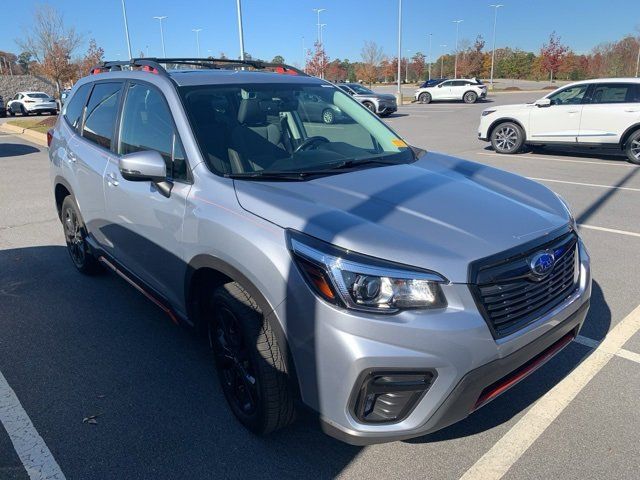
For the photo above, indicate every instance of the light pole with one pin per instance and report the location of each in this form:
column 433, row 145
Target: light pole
column 442, row 61
column 399, row 93
column 638, row 60
column 240, row 34
column 455, row 63
column 406, row 68
column 322, row 25
column 318, row 10
column 126, row 29
column 430, row 59
column 197, row 30
column 304, row 57
column 164, row 54
column 493, row 51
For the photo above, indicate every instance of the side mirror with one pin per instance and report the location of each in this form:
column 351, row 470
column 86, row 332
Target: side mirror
column 543, row 102
column 439, row 85
column 146, row 166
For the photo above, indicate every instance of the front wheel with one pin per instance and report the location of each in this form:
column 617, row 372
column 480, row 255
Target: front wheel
column 24, row 111
column 252, row 367
column 75, row 234
column 507, row 138
column 470, row 97
column 370, row 106
column 424, row 97
column 633, row 148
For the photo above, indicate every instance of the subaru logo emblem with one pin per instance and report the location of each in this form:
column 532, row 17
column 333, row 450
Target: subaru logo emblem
column 542, row 263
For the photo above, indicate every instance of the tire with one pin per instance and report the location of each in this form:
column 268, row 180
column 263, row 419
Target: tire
column 507, row 138
column 252, row 369
column 370, row 106
column 470, row 97
column 328, row 116
column 632, row 148
column 75, row 234
column 11, row 112
column 24, row 111
column 424, row 97
column 39, row 113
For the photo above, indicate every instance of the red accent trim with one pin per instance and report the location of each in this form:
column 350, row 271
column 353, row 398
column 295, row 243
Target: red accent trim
column 285, row 71
column 97, row 70
column 150, row 69
column 505, row 383
column 49, row 137
column 140, row 289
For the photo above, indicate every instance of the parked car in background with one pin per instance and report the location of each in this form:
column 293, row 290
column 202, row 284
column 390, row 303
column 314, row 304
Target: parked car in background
column 392, row 290
column 314, row 109
column 64, row 94
column 467, row 90
column 382, row 104
column 32, row 102
column 433, row 82
column 3, row 111
column 592, row 113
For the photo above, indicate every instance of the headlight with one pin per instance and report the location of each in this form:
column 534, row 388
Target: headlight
column 572, row 220
column 487, row 112
column 364, row 283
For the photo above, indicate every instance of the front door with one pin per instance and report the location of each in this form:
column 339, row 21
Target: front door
column 145, row 226
column 560, row 121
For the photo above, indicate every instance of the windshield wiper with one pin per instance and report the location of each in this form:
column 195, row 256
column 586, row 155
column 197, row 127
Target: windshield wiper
column 363, row 161
column 268, row 175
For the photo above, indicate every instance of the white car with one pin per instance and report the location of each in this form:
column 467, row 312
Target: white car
column 592, row 113
column 467, row 90
column 32, row 102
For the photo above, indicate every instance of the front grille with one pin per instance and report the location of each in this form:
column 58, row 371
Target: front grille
column 510, row 296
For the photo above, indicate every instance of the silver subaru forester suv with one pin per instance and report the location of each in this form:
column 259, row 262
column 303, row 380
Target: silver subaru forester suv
column 392, row 290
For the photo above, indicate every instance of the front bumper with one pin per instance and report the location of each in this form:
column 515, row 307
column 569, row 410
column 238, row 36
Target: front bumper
column 455, row 343
column 385, row 109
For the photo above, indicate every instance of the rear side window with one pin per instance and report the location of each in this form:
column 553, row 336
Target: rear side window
column 73, row 108
column 101, row 113
column 147, row 124
column 613, row 93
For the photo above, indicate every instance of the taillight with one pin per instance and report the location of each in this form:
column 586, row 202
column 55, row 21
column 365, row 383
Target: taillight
column 49, row 137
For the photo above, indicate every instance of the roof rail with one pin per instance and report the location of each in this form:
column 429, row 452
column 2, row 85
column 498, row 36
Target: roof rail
column 154, row 65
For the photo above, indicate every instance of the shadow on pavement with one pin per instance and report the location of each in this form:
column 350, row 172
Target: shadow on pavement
column 16, row 149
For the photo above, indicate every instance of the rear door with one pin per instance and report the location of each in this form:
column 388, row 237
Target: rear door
column 145, row 226
column 611, row 108
column 560, row 121
column 91, row 152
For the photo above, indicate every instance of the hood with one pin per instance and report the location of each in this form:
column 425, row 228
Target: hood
column 439, row 213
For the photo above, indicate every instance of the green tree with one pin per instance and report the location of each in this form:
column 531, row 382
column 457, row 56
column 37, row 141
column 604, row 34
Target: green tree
column 278, row 59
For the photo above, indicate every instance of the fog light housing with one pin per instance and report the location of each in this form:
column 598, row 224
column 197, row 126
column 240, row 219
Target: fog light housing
column 389, row 397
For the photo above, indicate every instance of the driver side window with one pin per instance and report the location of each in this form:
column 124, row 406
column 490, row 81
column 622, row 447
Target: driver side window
column 569, row 96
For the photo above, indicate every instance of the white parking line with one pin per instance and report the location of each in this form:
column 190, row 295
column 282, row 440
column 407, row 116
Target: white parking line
column 609, row 230
column 28, row 444
column 594, row 185
column 506, row 451
column 629, row 355
column 556, row 159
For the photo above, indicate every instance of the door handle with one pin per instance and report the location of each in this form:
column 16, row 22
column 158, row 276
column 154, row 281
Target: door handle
column 112, row 180
column 632, row 110
column 573, row 111
column 72, row 157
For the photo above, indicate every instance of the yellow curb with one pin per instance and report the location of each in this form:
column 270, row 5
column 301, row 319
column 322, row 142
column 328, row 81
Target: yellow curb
column 31, row 135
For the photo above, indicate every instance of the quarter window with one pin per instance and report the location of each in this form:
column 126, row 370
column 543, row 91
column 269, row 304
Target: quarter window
column 613, row 93
column 147, row 124
column 101, row 113
column 73, row 108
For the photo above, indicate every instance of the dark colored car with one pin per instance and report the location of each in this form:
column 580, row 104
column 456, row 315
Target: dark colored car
column 433, row 82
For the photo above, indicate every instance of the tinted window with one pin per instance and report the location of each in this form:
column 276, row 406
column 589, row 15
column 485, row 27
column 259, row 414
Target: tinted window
column 613, row 93
column 38, row 95
column 147, row 124
column 73, row 108
column 569, row 96
column 100, row 116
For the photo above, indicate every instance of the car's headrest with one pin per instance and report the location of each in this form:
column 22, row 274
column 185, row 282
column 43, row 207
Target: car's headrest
column 250, row 112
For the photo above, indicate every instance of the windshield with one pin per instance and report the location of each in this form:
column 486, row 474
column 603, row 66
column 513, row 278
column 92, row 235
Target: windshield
column 264, row 129
column 360, row 89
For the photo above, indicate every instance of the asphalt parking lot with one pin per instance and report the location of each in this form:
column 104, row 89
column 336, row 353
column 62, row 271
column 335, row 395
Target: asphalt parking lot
column 72, row 348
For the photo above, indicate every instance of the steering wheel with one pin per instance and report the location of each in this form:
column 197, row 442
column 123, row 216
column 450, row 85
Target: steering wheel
column 309, row 142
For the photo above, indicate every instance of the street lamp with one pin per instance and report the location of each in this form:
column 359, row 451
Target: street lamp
column 406, row 68
column 126, row 29
column 164, row 54
column 322, row 25
column 493, row 51
column 197, row 30
column 240, row 34
column 318, row 10
column 455, row 63
column 399, row 93
column 430, row 59
column 442, row 61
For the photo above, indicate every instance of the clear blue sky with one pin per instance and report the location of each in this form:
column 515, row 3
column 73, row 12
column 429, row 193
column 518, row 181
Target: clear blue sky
column 277, row 26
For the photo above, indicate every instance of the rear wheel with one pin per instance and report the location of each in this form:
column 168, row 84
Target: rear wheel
column 424, row 97
column 11, row 112
column 328, row 116
column 75, row 234
column 470, row 97
column 252, row 368
column 633, row 148
column 507, row 137
column 24, row 111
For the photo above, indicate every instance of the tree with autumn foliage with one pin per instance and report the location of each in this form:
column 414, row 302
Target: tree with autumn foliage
column 417, row 66
column 317, row 63
column 371, row 55
column 93, row 57
column 552, row 54
column 335, row 72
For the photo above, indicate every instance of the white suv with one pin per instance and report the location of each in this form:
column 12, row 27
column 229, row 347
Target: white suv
column 467, row 90
column 32, row 102
column 592, row 113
